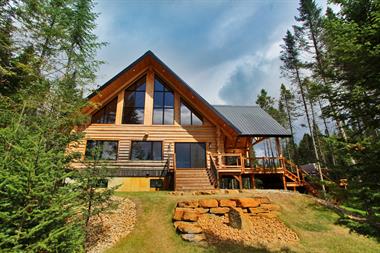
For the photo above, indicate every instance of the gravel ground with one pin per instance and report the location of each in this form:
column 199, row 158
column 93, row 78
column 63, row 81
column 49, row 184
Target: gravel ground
column 268, row 232
column 107, row 229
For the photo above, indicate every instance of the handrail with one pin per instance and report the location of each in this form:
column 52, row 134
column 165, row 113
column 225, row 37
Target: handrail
column 213, row 172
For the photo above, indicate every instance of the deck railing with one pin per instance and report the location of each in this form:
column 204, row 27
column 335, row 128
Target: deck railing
column 212, row 171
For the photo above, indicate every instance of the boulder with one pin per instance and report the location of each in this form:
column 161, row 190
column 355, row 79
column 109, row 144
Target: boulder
column 190, row 216
column 227, row 203
column 257, row 210
column 208, row 203
column 239, row 220
column 201, row 210
column 193, row 237
column 176, row 223
column 219, row 210
column 248, row 202
column 178, row 214
column 188, row 203
column 263, row 200
column 189, row 228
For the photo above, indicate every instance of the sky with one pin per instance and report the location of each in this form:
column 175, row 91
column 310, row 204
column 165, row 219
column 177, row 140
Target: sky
column 226, row 50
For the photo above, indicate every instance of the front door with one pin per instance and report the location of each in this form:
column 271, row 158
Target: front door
column 190, row 155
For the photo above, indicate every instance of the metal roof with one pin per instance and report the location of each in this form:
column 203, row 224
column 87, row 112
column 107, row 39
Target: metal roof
column 251, row 120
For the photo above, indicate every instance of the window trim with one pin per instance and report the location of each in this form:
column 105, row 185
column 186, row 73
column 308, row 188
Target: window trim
column 117, row 149
column 162, row 150
column 192, row 111
column 169, row 90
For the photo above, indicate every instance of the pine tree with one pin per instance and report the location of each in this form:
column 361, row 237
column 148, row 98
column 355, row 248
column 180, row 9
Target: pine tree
column 292, row 69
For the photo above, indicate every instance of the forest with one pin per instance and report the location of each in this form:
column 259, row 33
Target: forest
column 331, row 62
column 48, row 58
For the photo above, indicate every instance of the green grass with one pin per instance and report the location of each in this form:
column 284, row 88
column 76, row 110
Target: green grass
column 314, row 225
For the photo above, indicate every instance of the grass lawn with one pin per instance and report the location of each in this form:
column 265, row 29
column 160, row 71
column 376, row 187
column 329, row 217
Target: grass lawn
column 154, row 231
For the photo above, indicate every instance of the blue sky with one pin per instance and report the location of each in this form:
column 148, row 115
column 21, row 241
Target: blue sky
column 226, row 50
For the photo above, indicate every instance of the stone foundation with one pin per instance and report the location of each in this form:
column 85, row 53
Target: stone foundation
column 235, row 212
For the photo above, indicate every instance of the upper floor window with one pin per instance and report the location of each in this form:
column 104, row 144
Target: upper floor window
column 107, row 114
column 134, row 102
column 189, row 117
column 163, row 107
column 101, row 150
column 146, row 150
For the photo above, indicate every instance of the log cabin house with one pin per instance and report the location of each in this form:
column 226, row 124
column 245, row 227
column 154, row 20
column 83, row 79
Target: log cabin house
column 155, row 132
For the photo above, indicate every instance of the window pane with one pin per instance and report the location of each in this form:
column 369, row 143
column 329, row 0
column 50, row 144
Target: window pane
column 129, row 98
column 158, row 85
column 182, row 151
column 169, row 100
column 196, row 121
column 133, row 116
column 198, row 155
column 90, row 149
column 146, row 150
column 158, row 99
column 109, row 150
column 158, row 116
column 157, row 150
column 169, row 117
column 185, row 115
column 140, row 99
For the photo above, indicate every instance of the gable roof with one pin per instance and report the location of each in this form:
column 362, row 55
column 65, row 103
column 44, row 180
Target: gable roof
column 252, row 120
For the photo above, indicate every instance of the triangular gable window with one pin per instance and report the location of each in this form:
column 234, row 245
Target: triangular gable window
column 189, row 116
column 107, row 114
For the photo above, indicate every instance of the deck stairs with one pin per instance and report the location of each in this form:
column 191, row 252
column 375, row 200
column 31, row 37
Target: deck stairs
column 192, row 179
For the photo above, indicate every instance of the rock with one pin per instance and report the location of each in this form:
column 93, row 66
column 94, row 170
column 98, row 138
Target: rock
column 208, row 203
column 232, row 191
column 189, row 228
column 239, row 220
column 190, row 216
column 193, row 237
column 176, row 193
column 188, row 203
column 205, row 193
column 227, row 203
column 219, row 210
column 178, row 214
column 270, row 207
column 176, row 223
column 248, row 202
column 185, row 209
column 201, row 210
column 257, row 210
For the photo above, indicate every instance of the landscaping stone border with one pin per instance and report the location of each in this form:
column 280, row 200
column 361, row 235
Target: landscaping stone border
column 234, row 210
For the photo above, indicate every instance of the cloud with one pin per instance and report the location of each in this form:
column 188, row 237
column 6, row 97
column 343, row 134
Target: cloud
column 258, row 71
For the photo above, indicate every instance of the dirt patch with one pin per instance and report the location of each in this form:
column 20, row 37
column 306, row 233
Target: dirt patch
column 107, row 229
column 268, row 232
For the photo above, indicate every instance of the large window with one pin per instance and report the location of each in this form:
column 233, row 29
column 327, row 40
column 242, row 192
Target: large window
column 146, row 150
column 107, row 114
column 163, row 108
column 189, row 117
column 102, row 150
column 134, row 102
column 190, row 155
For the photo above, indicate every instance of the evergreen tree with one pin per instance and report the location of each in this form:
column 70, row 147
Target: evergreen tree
column 42, row 75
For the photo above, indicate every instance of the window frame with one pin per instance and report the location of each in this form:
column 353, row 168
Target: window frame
column 114, row 100
column 135, row 141
column 192, row 111
column 140, row 81
column 101, row 159
column 164, row 106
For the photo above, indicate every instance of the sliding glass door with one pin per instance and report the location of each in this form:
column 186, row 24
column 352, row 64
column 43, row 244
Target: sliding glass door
column 190, row 155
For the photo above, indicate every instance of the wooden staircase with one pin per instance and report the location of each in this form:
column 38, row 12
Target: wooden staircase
column 192, row 179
